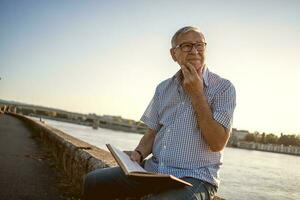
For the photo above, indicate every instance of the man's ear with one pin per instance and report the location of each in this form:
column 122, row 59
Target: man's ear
column 172, row 52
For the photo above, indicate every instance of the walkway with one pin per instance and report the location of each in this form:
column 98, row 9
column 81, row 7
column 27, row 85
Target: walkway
column 25, row 173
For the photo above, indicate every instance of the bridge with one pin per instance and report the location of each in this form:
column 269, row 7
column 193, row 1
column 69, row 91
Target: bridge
column 105, row 121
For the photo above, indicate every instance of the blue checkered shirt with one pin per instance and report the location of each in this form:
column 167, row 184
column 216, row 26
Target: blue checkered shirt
column 179, row 148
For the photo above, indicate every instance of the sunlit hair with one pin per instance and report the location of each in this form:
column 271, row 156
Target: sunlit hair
column 184, row 30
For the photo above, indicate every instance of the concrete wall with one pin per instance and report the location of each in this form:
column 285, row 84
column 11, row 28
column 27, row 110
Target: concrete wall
column 75, row 157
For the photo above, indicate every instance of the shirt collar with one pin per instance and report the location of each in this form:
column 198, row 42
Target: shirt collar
column 178, row 76
column 205, row 76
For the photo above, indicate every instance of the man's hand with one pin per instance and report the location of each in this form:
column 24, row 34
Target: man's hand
column 214, row 134
column 193, row 80
column 134, row 156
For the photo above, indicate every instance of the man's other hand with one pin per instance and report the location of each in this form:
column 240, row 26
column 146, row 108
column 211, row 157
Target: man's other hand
column 134, row 156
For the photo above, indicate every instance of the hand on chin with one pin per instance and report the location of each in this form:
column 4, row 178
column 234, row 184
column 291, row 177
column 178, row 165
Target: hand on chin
column 197, row 64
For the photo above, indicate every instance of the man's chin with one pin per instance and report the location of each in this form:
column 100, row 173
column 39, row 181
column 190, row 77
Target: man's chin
column 197, row 64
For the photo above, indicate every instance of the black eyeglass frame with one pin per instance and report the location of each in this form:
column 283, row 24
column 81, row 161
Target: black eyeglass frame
column 193, row 45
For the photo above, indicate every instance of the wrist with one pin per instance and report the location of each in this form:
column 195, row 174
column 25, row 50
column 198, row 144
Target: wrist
column 197, row 96
column 140, row 153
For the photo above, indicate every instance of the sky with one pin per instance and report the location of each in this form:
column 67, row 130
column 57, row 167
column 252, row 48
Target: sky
column 107, row 57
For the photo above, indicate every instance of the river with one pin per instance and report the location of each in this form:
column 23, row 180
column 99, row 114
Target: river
column 245, row 174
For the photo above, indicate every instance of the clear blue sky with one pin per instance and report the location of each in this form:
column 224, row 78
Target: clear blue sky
column 107, row 57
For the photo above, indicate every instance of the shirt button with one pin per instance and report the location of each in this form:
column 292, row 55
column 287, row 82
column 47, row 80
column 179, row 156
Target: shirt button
column 165, row 146
column 161, row 164
column 182, row 103
column 168, row 130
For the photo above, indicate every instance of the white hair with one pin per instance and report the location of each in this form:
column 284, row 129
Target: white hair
column 184, row 30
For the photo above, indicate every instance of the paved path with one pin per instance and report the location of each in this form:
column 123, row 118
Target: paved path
column 24, row 175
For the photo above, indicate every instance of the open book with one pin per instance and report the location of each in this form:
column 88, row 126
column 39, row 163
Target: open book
column 133, row 169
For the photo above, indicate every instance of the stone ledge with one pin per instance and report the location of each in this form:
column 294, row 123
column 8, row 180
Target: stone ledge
column 76, row 157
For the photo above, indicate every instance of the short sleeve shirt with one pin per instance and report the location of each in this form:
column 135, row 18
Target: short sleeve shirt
column 179, row 148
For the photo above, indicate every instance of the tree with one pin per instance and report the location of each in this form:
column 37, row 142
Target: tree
column 250, row 137
column 263, row 138
column 271, row 139
column 288, row 140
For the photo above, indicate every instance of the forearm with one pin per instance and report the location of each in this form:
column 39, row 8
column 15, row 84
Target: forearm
column 146, row 143
column 215, row 134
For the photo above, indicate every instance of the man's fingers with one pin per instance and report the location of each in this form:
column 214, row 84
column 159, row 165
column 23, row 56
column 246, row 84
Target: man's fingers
column 191, row 68
column 185, row 71
column 135, row 156
column 128, row 153
column 132, row 155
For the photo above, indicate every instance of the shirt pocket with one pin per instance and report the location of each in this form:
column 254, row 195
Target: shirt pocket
column 168, row 110
column 168, row 117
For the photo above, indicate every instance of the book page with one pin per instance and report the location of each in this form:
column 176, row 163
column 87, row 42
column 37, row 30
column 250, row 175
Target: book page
column 130, row 165
column 135, row 170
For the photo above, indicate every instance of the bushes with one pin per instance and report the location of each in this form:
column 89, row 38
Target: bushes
column 286, row 140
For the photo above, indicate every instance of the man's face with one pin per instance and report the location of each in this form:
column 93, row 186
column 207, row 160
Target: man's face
column 195, row 57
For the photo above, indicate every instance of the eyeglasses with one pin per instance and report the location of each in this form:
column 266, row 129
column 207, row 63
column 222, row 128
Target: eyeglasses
column 187, row 47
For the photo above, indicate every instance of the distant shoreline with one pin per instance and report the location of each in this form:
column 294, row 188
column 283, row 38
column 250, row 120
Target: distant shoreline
column 126, row 125
column 289, row 150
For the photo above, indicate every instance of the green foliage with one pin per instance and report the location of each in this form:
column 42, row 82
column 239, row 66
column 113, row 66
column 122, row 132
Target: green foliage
column 271, row 139
column 250, row 137
column 286, row 140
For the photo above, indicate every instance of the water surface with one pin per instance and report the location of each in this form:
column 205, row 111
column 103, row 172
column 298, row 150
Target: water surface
column 245, row 174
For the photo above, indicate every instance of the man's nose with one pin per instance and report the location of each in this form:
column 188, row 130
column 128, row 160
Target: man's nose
column 194, row 50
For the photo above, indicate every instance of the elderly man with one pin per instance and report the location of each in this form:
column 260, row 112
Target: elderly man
column 189, row 120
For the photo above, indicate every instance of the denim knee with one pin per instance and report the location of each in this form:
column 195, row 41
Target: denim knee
column 88, row 182
column 100, row 183
column 197, row 192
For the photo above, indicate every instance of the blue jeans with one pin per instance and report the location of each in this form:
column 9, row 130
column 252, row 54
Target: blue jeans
column 112, row 183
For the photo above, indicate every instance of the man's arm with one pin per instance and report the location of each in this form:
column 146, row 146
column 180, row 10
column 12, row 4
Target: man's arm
column 144, row 146
column 215, row 135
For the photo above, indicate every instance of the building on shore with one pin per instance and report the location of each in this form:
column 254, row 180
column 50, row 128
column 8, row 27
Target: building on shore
column 236, row 136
